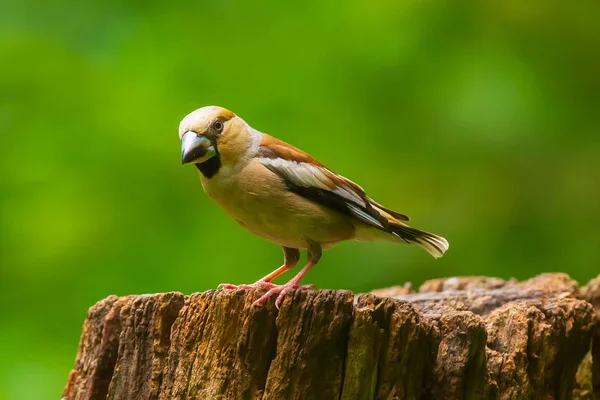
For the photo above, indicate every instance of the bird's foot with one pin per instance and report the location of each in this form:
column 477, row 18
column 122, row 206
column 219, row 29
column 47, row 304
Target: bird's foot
column 282, row 290
column 256, row 285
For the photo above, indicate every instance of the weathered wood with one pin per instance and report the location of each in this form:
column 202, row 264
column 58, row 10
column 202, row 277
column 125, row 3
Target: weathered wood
column 388, row 351
column 591, row 293
column 459, row 338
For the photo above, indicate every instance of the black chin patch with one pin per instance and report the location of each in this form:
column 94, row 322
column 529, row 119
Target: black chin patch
column 210, row 167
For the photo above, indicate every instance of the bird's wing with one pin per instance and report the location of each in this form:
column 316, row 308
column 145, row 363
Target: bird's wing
column 384, row 210
column 309, row 178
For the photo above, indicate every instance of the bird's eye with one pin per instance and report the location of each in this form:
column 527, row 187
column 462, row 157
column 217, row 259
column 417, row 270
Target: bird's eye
column 218, row 126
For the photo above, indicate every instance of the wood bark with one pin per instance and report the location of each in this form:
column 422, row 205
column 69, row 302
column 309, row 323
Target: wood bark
column 457, row 338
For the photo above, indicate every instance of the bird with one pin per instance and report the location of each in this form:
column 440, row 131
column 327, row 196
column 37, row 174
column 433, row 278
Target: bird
column 282, row 194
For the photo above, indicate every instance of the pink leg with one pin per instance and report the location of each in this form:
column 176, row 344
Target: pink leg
column 314, row 254
column 261, row 283
column 291, row 257
column 291, row 285
column 276, row 273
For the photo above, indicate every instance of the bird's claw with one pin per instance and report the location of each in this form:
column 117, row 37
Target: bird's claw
column 281, row 290
column 226, row 286
column 256, row 285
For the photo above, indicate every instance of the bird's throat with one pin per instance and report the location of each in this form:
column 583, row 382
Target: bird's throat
column 210, row 167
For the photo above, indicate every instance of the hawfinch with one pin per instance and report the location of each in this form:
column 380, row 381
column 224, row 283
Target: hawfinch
column 282, row 194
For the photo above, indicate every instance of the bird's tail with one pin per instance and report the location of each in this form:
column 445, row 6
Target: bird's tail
column 433, row 244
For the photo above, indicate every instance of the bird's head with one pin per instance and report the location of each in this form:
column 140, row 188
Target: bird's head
column 211, row 136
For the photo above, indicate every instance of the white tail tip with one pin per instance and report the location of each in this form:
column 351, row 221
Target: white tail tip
column 433, row 244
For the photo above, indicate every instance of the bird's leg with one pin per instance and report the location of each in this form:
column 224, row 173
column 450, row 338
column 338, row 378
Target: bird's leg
column 290, row 259
column 314, row 254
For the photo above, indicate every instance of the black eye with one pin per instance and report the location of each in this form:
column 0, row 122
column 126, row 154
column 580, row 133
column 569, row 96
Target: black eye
column 218, row 126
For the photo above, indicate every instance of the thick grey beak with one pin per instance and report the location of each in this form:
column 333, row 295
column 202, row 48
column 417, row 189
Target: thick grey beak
column 196, row 149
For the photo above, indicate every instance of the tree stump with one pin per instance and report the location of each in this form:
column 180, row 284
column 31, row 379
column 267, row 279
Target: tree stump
column 457, row 338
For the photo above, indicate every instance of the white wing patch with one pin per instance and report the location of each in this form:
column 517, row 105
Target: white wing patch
column 363, row 216
column 300, row 174
column 349, row 195
column 311, row 176
column 307, row 175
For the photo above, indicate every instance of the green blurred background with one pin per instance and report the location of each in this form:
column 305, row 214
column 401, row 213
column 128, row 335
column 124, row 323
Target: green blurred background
column 477, row 119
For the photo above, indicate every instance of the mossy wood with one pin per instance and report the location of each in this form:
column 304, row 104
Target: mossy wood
column 458, row 338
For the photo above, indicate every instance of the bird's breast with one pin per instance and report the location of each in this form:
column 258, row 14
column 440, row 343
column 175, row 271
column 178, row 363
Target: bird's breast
column 260, row 201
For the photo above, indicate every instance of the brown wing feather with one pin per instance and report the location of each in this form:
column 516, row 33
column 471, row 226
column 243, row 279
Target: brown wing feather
column 307, row 177
column 271, row 147
column 393, row 213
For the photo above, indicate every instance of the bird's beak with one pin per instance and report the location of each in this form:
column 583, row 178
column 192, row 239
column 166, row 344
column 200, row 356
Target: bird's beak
column 196, row 148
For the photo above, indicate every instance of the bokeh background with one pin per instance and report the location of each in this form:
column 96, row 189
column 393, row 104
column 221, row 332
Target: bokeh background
column 477, row 119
